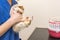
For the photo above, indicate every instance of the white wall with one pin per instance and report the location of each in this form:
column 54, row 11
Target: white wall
column 42, row 10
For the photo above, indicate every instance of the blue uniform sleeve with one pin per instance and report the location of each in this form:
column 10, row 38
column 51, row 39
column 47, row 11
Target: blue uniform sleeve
column 1, row 15
column 13, row 2
column 2, row 19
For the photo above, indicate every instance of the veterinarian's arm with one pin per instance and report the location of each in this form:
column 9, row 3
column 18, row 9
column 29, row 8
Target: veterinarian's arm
column 12, row 20
column 4, row 27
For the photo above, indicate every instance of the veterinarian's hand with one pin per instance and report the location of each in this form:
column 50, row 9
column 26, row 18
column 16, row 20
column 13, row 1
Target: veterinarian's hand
column 15, row 15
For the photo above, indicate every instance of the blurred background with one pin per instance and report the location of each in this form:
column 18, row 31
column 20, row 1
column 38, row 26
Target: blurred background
column 41, row 10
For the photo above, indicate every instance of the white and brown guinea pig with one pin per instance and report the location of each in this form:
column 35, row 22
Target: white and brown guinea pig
column 26, row 21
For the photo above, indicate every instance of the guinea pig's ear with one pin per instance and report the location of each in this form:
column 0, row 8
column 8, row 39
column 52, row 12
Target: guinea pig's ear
column 21, row 7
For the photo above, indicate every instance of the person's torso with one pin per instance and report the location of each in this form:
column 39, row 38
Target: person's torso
column 4, row 16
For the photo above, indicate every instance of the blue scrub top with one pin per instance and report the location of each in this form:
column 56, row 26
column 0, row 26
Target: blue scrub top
column 4, row 16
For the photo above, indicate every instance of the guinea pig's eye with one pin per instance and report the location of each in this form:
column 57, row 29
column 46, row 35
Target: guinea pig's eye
column 19, row 12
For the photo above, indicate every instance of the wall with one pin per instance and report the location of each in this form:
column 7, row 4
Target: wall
column 42, row 10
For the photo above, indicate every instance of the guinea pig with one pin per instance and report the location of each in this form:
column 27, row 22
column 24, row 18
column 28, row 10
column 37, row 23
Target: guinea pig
column 26, row 21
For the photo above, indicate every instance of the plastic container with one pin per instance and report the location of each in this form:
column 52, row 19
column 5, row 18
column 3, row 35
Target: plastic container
column 54, row 27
